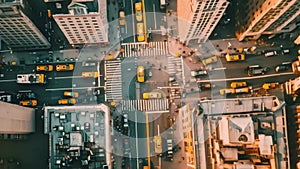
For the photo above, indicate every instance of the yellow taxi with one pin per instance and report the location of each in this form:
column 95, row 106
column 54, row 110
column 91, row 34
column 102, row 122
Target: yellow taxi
column 235, row 85
column 28, row 103
column 71, row 94
column 122, row 21
column 267, row 86
column 236, row 57
column 89, row 74
column 65, row 67
column 138, row 11
column 157, row 144
column 140, row 74
column 152, row 95
column 210, row 60
column 47, row 68
column 140, row 32
column 67, row 101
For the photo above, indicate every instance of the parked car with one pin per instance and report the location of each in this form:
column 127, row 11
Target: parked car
column 125, row 120
column 283, row 67
column 65, row 67
column 152, row 95
column 6, row 98
column 170, row 149
column 126, row 146
column 199, row 72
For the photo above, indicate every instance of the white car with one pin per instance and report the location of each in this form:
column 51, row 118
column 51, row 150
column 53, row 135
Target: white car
column 273, row 53
column 195, row 73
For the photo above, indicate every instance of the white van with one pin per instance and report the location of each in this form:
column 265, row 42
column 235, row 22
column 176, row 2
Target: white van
column 268, row 54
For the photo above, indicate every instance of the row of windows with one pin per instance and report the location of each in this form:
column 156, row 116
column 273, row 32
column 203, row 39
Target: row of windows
column 78, row 18
column 283, row 18
column 79, row 21
column 270, row 15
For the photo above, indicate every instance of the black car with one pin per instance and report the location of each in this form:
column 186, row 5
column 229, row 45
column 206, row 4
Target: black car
column 257, row 70
column 283, row 67
column 6, row 98
column 25, row 95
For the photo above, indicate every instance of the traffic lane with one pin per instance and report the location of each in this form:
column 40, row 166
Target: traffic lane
column 280, row 77
column 263, row 61
column 236, row 72
column 150, row 9
column 127, row 31
column 160, row 124
column 214, row 93
column 140, row 135
column 13, row 88
column 129, row 78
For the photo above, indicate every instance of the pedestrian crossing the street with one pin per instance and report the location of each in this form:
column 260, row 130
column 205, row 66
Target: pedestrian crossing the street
column 113, row 79
column 145, row 49
column 154, row 105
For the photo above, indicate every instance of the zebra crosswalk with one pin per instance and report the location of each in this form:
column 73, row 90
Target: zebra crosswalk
column 146, row 105
column 113, row 79
column 145, row 49
column 174, row 65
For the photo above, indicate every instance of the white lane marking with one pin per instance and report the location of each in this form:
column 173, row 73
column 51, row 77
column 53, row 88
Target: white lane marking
column 9, row 80
column 72, row 88
column 136, row 139
column 133, row 28
column 154, row 14
column 246, row 78
column 68, row 77
column 220, row 68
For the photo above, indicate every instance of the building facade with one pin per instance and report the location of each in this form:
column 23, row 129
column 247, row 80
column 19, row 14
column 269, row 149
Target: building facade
column 86, row 23
column 198, row 18
column 17, row 31
column 258, row 17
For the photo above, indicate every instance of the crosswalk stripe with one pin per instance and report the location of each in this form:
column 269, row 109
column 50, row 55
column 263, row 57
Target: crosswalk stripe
column 146, row 49
column 113, row 79
column 145, row 105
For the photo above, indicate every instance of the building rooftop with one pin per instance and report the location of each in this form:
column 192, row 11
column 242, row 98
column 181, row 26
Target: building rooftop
column 78, row 136
column 15, row 119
